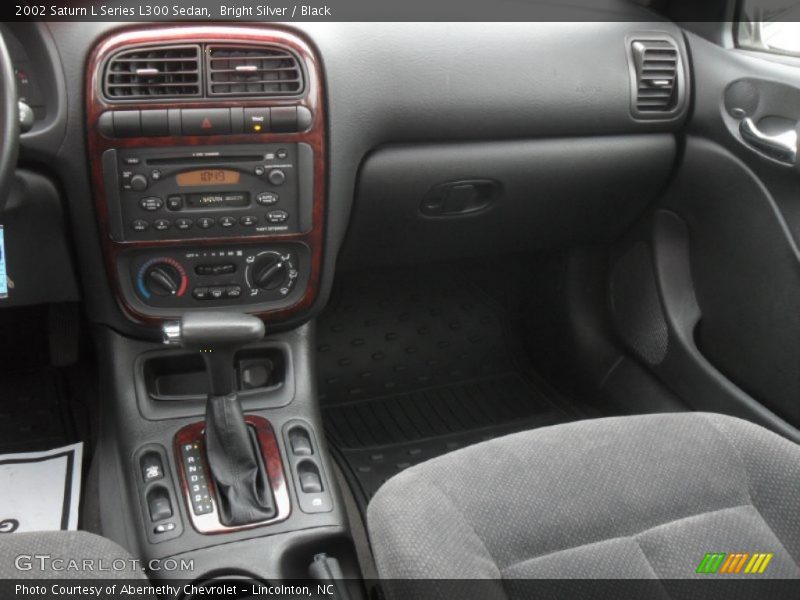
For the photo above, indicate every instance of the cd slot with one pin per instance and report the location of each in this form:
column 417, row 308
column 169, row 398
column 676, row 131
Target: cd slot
column 204, row 160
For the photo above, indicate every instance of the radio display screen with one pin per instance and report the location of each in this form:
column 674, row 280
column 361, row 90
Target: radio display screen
column 207, row 177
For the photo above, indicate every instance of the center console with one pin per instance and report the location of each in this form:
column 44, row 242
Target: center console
column 207, row 148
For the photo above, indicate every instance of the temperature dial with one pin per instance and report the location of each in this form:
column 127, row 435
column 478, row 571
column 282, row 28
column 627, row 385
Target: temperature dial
column 161, row 277
column 271, row 271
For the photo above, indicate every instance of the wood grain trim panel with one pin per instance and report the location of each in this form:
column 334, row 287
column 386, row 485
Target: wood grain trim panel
column 312, row 98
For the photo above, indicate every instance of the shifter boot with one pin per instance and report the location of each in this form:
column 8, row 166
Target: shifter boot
column 243, row 487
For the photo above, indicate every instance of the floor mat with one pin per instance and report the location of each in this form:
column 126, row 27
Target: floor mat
column 32, row 412
column 413, row 364
column 46, row 490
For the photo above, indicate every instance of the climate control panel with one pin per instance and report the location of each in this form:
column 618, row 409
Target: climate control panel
column 246, row 276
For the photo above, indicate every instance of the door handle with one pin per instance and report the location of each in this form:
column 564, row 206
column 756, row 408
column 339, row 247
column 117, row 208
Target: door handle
column 782, row 147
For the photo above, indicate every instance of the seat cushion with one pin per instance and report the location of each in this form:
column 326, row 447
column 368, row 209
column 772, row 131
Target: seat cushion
column 641, row 497
column 47, row 555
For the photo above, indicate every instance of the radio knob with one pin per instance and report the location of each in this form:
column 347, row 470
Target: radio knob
column 276, row 177
column 269, row 271
column 139, row 183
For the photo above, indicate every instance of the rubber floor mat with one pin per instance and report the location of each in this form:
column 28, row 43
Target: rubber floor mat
column 31, row 411
column 413, row 364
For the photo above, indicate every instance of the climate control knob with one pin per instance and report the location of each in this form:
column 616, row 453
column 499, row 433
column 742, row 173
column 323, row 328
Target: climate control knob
column 270, row 271
column 162, row 277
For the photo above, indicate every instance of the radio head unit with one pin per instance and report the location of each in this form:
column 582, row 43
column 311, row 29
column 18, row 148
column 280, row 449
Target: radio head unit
column 184, row 193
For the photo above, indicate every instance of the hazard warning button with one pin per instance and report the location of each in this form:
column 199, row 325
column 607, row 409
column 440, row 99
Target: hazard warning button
column 206, row 121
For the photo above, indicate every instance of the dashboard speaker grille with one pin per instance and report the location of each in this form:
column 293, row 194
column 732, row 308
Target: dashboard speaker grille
column 656, row 63
column 252, row 70
column 154, row 72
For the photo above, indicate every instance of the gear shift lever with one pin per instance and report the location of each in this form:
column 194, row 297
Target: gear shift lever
column 233, row 453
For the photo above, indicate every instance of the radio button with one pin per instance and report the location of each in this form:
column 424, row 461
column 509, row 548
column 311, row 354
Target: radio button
column 227, row 221
column 282, row 153
column 151, row 203
column 205, row 121
column 155, row 174
column 276, row 177
column 161, row 224
column 277, row 216
column 140, row 225
column 205, row 222
column 131, row 160
column 267, row 198
column 174, row 202
column 248, row 220
column 259, row 171
column 183, row 224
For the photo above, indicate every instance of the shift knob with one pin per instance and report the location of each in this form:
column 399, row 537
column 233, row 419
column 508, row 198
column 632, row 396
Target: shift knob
column 217, row 336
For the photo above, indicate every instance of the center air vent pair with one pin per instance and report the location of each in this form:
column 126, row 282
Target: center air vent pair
column 226, row 70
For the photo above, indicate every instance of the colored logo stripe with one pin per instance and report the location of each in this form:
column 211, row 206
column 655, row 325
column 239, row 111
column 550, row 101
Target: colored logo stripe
column 732, row 563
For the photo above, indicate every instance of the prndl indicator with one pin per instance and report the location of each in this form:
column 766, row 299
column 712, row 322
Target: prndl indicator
column 3, row 275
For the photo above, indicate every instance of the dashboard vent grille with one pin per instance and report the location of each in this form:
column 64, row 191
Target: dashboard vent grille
column 154, row 72
column 656, row 63
column 253, row 70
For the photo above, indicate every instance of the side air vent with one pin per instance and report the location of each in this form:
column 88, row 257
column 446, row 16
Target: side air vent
column 252, row 71
column 154, row 72
column 657, row 77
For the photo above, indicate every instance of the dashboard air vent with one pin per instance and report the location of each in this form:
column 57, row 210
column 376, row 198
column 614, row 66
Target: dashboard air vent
column 154, row 72
column 253, row 70
column 656, row 63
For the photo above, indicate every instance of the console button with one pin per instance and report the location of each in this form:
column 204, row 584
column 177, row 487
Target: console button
column 183, row 223
column 300, row 442
column 233, row 291
column 248, row 220
column 174, row 202
column 151, row 203
column 200, row 293
column 310, row 480
column 227, row 221
column 164, row 527
column 277, row 216
column 205, row 121
column 219, row 269
column 155, row 123
column 267, row 198
column 284, row 118
column 152, row 467
column 205, row 222
column 158, row 504
column 256, row 120
column 276, row 177
column 127, row 123
column 140, row 225
column 161, row 224
column 215, row 293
